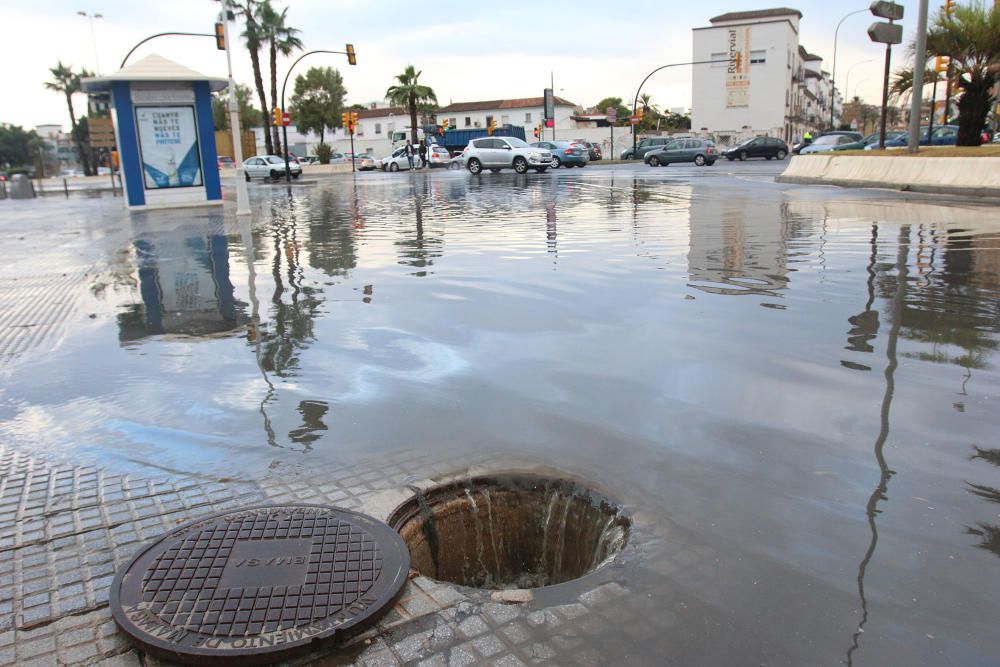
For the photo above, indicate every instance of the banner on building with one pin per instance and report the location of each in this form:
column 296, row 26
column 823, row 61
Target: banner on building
column 738, row 68
column 168, row 142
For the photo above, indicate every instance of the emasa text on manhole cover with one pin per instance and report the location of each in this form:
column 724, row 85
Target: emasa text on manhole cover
column 259, row 584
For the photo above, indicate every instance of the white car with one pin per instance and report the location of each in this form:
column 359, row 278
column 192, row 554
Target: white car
column 270, row 166
column 496, row 153
column 438, row 156
column 397, row 161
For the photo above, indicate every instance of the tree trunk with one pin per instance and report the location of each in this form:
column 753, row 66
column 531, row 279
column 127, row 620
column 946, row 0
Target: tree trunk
column 972, row 109
column 413, row 117
column 321, row 134
column 258, row 81
column 274, row 95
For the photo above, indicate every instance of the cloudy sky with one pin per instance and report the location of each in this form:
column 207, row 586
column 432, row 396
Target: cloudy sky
column 467, row 51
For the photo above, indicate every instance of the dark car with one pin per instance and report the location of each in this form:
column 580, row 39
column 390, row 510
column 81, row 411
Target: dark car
column 763, row 147
column 944, row 135
column 867, row 141
column 644, row 146
column 700, row 151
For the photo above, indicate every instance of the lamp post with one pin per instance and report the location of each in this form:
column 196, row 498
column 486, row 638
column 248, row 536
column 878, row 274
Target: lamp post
column 836, row 32
column 635, row 101
column 242, row 193
column 93, row 37
column 847, row 80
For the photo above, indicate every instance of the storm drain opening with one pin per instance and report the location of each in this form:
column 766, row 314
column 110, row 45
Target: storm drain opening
column 510, row 531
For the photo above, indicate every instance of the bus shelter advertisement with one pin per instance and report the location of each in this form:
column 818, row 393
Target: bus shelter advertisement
column 168, row 139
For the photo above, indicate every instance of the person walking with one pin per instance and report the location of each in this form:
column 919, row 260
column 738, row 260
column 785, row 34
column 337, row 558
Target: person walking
column 423, row 154
column 409, row 153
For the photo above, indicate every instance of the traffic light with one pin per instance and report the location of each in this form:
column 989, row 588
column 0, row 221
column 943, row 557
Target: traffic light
column 941, row 64
column 536, row 132
column 345, row 119
column 640, row 113
column 444, row 126
column 948, row 4
column 492, row 126
column 220, row 36
column 354, row 119
column 276, row 114
column 352, row 59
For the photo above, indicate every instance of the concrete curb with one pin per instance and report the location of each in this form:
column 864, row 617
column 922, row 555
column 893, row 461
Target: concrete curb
column 967, row 177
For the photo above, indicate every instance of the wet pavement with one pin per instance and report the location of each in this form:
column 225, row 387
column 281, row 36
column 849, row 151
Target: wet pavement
column 792, row 390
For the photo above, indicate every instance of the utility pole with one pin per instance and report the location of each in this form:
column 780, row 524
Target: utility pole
column 242, row 194
column 916, row 92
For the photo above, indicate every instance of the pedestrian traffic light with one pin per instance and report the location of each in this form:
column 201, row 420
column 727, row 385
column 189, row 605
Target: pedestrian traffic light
column 220, row 36
column 941, row 64
column 276, row 115
column 352, row 59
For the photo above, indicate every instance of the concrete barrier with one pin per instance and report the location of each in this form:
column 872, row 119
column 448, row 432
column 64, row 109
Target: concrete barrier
column 970, row 176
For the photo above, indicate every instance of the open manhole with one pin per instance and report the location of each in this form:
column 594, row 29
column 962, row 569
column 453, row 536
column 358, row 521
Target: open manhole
column 259, row 584
column 511, row 531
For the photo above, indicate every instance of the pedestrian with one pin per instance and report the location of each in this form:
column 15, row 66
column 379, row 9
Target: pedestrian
column 423, row 154
column 809, row 137
column 409, row 153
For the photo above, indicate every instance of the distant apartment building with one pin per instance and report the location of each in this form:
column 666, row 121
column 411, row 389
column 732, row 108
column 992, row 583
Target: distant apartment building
column 759, row 80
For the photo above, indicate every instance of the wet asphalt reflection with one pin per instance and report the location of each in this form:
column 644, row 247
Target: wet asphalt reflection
column 794, row 389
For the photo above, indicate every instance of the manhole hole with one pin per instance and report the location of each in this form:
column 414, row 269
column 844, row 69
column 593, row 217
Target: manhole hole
column 256, row 584
column 517, row 531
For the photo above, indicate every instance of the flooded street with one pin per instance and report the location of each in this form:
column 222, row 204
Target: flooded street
column 793, row 391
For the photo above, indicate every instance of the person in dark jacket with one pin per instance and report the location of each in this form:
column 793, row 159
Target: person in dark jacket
column 409, row 153
column 423, row 154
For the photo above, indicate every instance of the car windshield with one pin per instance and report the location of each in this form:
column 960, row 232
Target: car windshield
column 516, row 143
column 273, row 159
column 828, row 140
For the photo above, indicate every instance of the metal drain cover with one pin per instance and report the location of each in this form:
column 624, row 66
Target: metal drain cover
column 257, row 584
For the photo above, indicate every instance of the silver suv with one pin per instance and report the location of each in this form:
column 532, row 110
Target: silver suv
column 496, row 153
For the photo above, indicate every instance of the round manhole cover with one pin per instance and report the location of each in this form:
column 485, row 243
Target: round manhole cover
column 257, row 584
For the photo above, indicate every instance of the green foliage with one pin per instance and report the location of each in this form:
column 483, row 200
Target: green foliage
column 409, row 93
column 17, row 145
column 249, row 116
column 324, row 152
column 318, row 100
column 623, row 111
column 66, row 81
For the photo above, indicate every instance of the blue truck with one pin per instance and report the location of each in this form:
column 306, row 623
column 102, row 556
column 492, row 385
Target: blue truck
column 456, row 140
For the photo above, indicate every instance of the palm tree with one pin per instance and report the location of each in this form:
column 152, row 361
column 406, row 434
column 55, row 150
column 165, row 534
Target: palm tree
column 281, row 39
column 410, row 94
column 970, row 36
column 252, row 36
column 67, row 82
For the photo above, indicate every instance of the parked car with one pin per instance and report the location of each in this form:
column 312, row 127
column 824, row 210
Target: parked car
column 457, row 162
column 565, row 153
column 855, row 136
column 226, row 162
column 826, row 143
column 765, row 147
column 592, row 148
column 269, row 166
column 366, row 162
column 496, row 153
column 700, row 151
column 944, row 135
column 644, row 146
column 438, row 156
column 867, row 141
column 396, row 160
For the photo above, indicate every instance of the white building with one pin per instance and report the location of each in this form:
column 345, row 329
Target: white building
column 526, row 112
column 760, row 80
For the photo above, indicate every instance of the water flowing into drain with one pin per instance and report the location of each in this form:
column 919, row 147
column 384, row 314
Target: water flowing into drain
column 512, row 531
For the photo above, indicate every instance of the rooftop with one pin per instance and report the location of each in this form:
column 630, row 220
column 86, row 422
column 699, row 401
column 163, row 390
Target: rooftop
column 519, row 103
column 756, row 14
column 152, row 68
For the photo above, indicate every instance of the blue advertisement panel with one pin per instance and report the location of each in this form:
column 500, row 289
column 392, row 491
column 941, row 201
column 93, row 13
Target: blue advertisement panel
column 168, row 142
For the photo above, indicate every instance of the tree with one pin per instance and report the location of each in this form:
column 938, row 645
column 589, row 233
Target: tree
column 318, row 100
column 624, row 113
column 252, row 38
column 280, row 38
column 409, row 93
column 17, row 146
column 249, row 116
column 970, row 37
column 67, row 82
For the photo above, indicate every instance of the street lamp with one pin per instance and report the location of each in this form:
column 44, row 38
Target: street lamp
column 833, row 78
column 847, row 80
column 93, row 38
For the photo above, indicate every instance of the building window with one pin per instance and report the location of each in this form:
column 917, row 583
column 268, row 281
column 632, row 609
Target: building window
column 378, row 128
column 527, row 117
column 453, row 122
column 719, row 59
column 468, row 121
column 504, row 119
column 758, row 57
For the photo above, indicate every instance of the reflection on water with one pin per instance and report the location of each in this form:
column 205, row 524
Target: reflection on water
column 786, row 385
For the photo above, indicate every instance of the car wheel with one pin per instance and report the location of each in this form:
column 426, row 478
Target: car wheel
column 393, row 166
column 699, row 160
column 454, row 166
column 781, row 155
column 582, row 165
column 494, row 170
column 743, row 156
column 475, row 166
column 520, row 165
column 710, row 163
column 654, row 161
column 556, row 162
column 274, row 175
column 247, row 176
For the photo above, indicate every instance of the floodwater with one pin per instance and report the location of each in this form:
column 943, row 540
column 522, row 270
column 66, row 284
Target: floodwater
column 794, row 390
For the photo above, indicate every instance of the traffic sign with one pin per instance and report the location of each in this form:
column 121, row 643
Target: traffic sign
column 634, row 120
column 612, row 114
column 887, row 10
column 886, row 33
column 286, row 119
